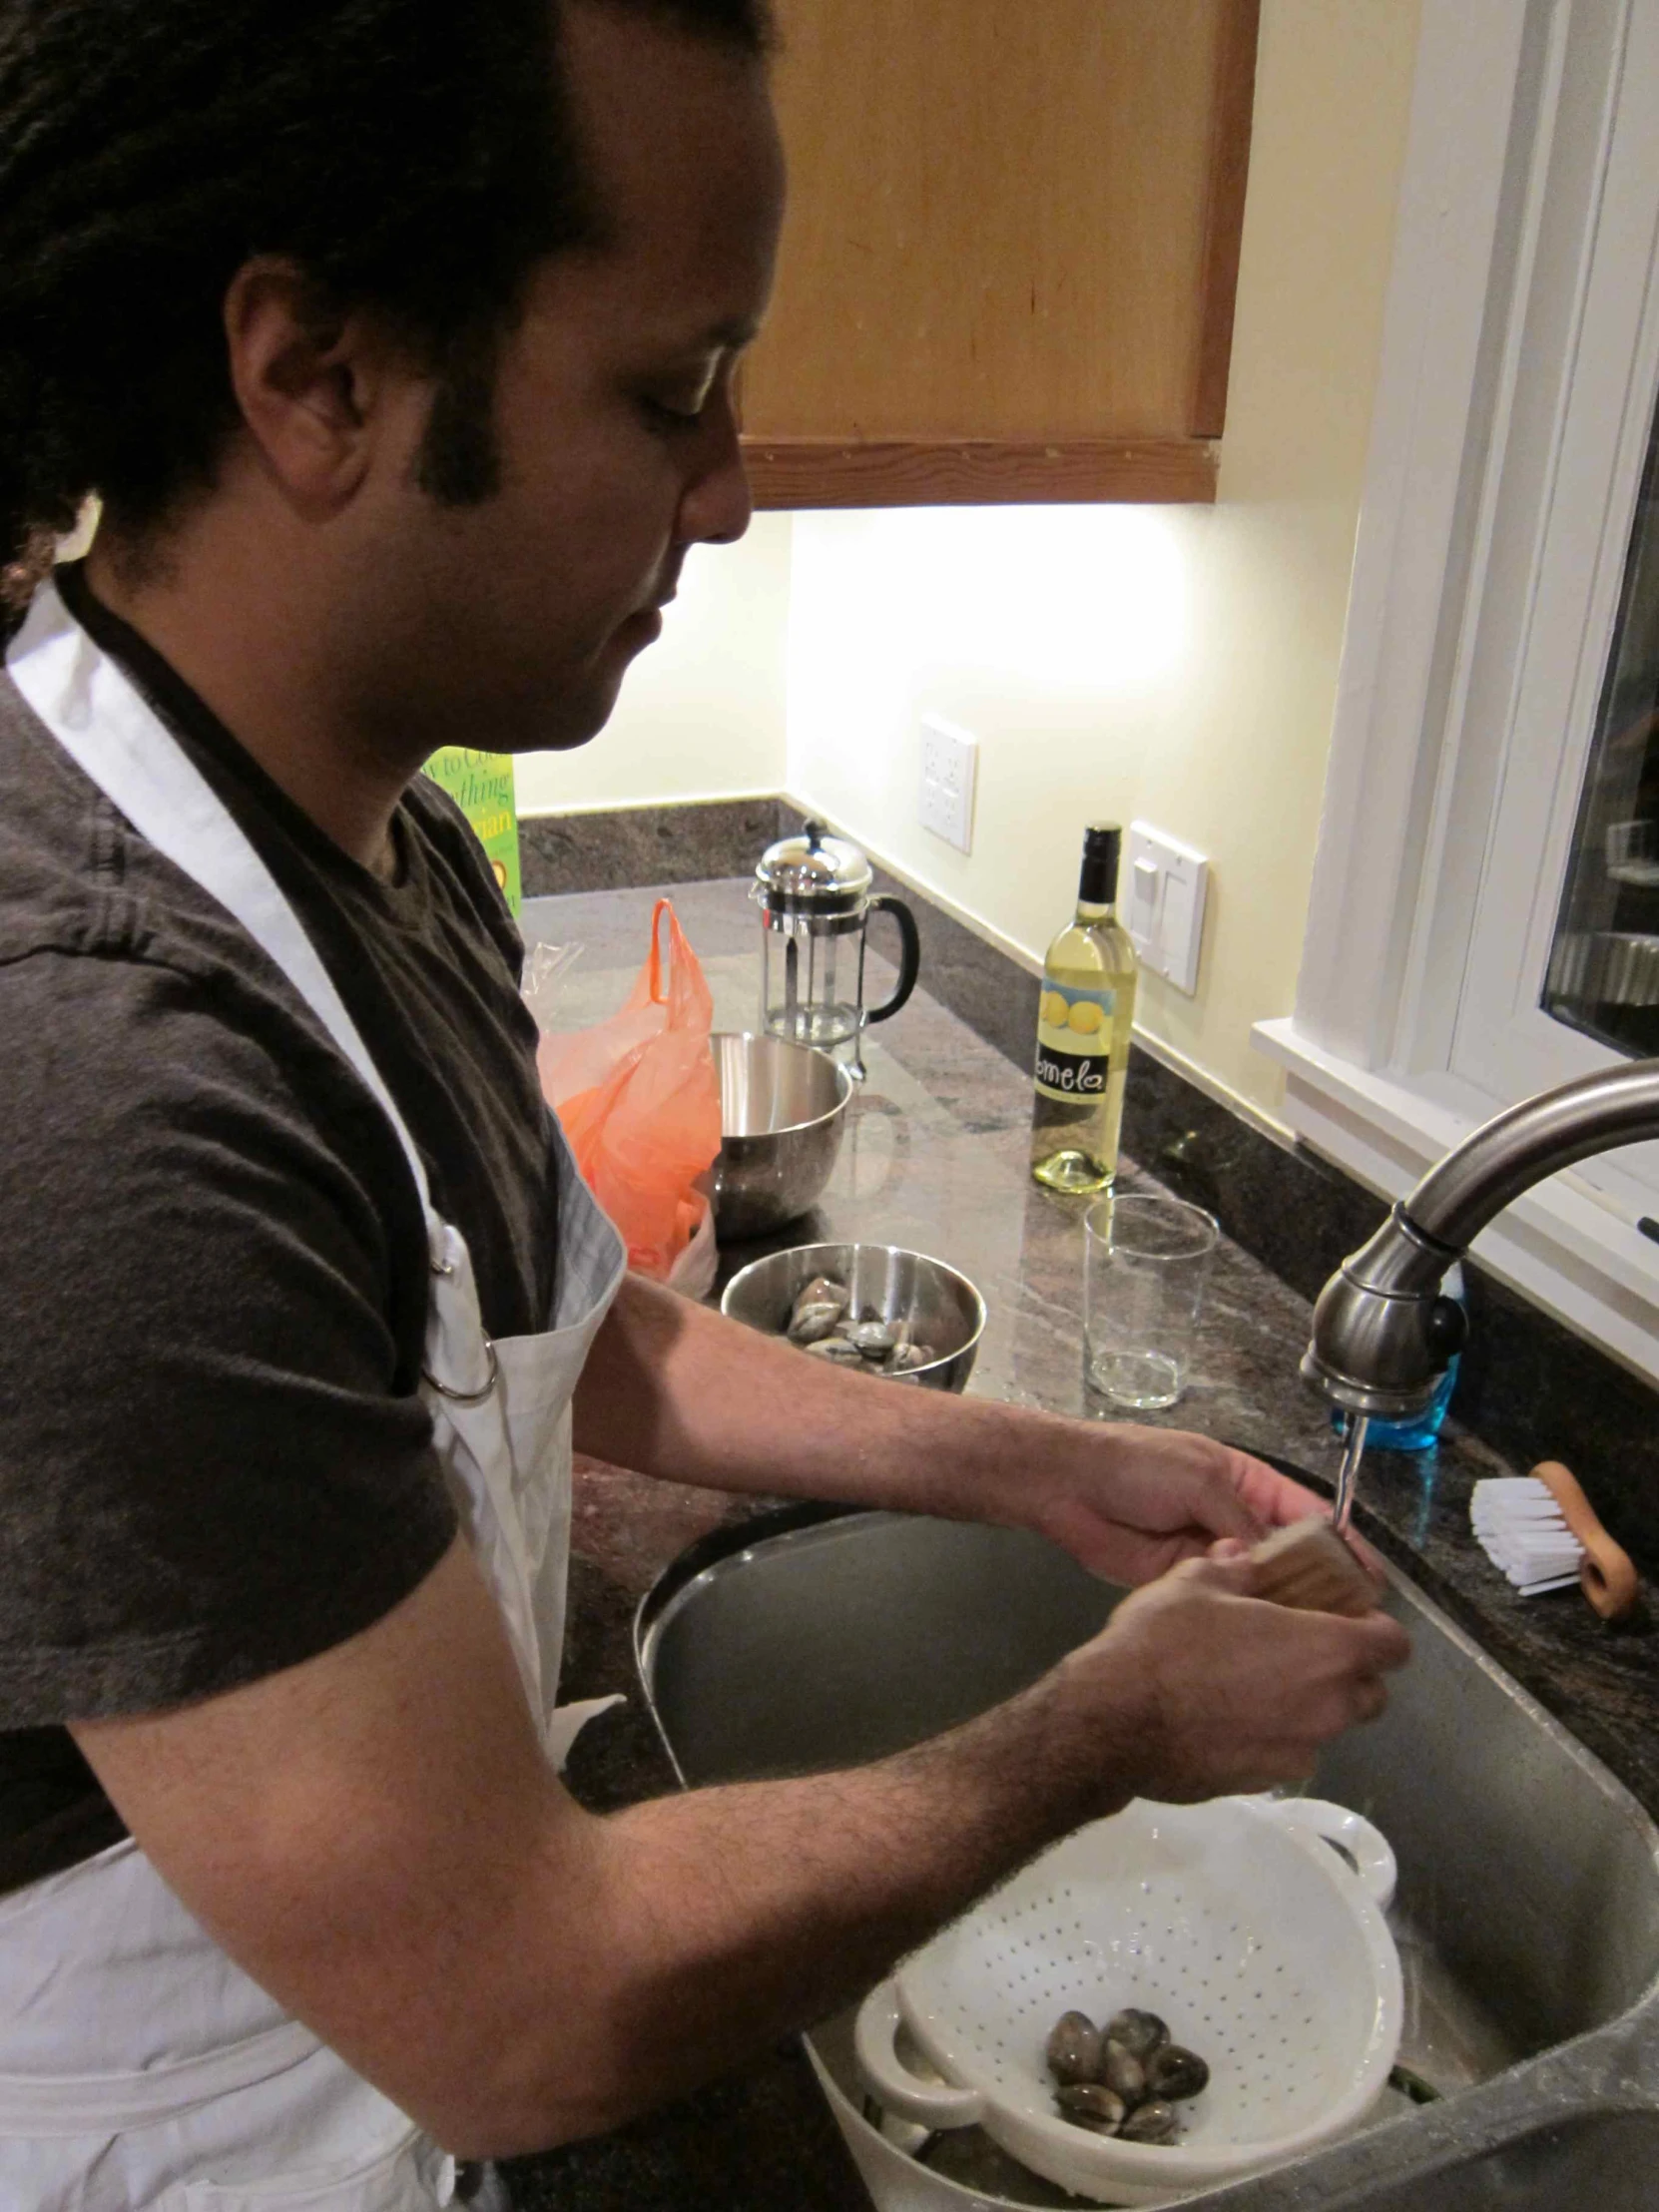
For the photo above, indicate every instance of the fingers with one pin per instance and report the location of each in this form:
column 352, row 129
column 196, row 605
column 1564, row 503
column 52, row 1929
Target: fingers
column 1215, row 1482
column 1295, row 1763
column 1226, row 1567
column 1272, row 1497
column 1356, row 1699
column 1371, row 1560
column 1342, row 1663
column 1283, row 1503
column 1242, row 1692
column 1389, row 1645
column 1371, row 1699
column 1368, row 1650
column 1228, row 1510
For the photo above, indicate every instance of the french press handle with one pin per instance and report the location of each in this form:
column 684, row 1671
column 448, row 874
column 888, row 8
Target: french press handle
column 909, row 958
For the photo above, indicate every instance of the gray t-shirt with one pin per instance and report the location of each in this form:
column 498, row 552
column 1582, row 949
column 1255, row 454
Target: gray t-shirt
column 213, row 1460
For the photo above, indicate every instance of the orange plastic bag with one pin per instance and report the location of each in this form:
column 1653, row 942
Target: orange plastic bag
column 638, row 1102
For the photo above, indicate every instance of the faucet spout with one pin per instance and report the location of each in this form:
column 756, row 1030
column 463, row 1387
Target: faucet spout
column 1383, row 1331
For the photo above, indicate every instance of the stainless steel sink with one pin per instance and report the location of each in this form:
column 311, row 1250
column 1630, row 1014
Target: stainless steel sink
column 1529, row 1909
column 1608, row 2161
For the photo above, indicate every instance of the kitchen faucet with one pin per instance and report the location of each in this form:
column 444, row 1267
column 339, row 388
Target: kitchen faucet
column 1384, row 1332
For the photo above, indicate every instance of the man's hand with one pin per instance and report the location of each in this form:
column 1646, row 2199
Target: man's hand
column 1226, row 1692
column 1132, row 1503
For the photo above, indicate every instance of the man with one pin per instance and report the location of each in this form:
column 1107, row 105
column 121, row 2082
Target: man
column 398, row 341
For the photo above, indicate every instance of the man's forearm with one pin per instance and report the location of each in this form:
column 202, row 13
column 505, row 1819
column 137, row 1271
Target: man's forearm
column 677, row 1391
column 673, row 1389
column 713, row 1923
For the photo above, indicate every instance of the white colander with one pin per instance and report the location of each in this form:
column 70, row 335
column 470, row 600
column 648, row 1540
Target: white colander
column 1263, row 1948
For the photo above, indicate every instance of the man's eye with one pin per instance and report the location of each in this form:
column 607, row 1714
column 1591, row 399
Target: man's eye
column 663, row 418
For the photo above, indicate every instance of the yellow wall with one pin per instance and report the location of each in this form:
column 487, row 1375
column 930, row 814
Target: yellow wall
column 1173, row 664
column 702, row 714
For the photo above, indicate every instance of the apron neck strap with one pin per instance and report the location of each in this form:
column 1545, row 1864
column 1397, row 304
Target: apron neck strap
column 110, row 731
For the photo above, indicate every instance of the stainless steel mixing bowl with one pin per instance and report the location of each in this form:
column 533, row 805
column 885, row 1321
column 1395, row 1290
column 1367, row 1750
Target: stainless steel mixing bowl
column 782, row 1108
column 887, row 1283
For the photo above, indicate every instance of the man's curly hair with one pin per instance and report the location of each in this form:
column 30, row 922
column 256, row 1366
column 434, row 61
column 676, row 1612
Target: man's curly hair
column 416, row 157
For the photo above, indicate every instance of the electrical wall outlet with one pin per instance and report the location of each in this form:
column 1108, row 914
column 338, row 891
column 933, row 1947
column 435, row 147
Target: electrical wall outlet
column 1163, row 904
column 949, row 761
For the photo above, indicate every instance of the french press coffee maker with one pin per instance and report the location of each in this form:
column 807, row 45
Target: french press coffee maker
column 815, row 902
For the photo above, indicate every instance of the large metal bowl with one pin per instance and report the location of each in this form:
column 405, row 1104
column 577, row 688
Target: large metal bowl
column 782, row 1108
column 887, row 1283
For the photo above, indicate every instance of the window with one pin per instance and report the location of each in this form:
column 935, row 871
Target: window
column 1484, row 921
column 1603, row 976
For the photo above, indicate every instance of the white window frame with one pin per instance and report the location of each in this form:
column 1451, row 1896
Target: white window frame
column 1516, row 391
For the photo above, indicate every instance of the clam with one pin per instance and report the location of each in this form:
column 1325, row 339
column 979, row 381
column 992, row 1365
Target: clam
column 1124, row 2078
column 809, row 1324
column 1122, row 2071
column 872, row 1340
column 823, row 1319
column 1088, row 2104
column 1074, row 2049
column 838, row 1350
column 1140, row 2033
column 1173, row 2072
column 1151, row 2123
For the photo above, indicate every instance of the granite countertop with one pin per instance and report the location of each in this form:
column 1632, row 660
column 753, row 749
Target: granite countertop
column 935, row 1157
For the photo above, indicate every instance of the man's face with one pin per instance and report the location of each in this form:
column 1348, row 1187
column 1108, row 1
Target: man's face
column 513, row 622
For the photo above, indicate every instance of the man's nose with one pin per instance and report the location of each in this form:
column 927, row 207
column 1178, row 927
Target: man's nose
column 718, row 502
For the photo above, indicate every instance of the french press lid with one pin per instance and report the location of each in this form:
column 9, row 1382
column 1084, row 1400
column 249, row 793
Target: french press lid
column 813, row 874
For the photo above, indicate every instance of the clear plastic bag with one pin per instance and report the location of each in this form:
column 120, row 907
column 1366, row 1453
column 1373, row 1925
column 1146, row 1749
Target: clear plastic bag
column 638, row 1102
column 545, row 970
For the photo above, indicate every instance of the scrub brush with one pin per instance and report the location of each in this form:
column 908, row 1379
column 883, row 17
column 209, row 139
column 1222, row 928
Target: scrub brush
column 1542, row 1532
column 1309, row 1567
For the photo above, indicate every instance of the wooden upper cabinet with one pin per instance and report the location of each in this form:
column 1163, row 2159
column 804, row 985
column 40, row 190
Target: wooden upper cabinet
column 1011, row 250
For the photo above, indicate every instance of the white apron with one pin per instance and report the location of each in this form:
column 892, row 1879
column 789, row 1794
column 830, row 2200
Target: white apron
column 141, row 2070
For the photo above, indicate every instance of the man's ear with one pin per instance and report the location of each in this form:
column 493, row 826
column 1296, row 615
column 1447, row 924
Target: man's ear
column 311, row 381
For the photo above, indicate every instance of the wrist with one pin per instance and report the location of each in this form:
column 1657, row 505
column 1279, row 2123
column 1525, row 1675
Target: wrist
column 1018, row 1465
column 1031, row 1770
column 1060, row 1479
column 1110, row 1712
column 1089, row 1740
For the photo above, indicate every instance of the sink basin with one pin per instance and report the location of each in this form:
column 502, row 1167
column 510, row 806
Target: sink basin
column 1528, row 1906
column 1604, row 2160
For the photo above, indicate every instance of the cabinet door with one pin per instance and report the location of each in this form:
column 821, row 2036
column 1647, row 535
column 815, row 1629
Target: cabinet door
column 1011, row 250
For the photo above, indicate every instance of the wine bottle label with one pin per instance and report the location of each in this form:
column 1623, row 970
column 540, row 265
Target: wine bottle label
column 1074, row 1042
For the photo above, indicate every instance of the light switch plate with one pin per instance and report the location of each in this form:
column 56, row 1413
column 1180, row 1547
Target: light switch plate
column 1165, row 885
column 950, row 765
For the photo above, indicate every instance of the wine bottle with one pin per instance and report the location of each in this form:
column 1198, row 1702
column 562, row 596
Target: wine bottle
column 1083, row 1024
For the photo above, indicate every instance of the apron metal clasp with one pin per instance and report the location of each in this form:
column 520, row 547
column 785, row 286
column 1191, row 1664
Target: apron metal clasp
column 469, row 1397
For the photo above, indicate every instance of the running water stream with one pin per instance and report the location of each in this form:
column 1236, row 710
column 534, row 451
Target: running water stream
column 1347, row 1475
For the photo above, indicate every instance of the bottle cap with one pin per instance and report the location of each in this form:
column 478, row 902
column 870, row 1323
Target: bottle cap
column 1102, row 851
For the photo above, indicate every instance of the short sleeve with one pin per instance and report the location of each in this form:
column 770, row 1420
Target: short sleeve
column 214, row 1459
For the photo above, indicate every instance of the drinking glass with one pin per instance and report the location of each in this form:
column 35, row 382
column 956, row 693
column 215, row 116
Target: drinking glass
column 1146, row 1260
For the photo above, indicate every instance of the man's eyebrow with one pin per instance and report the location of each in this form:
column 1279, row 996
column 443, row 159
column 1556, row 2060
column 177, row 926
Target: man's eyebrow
column 735, row 333
column 729, row 335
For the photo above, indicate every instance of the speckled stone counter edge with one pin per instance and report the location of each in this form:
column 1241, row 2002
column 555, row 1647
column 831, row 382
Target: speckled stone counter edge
column 1529, row 1388
column 643, row 845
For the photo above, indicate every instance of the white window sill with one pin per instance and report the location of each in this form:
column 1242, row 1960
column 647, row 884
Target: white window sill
column 1560, row 1245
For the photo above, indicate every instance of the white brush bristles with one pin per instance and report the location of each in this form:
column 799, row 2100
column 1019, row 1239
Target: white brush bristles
column 1521, row 1531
